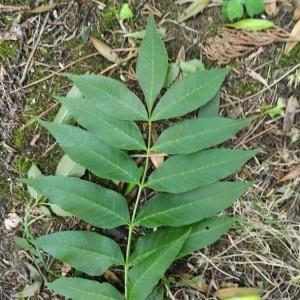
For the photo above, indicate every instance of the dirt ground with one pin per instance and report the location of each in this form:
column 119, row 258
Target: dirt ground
column 263, row 248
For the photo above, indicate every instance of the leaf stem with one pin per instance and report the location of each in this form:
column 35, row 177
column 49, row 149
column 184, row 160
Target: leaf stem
column 134, row 212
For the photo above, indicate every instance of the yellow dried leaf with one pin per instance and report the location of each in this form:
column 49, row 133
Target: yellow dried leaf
column 40, row 9
column 289, row 114
column 294, row 34
column 270, row 8
column 238, row 293
column 196, row 7
column 105, row 50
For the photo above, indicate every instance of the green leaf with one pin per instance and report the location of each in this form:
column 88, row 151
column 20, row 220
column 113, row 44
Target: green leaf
column 143, row 276
column 234, row 9
column 23, row 243
column 205, row 233
column 186, row 172
column 88, row 201
column 111, row 96
column 34, row 172
column 92, row 153
column 85, row 251
column 63, row 116
column 67, row 167
column 84, row 289
column 152, row 64
column 254, row 7
column 125, row 12
column 210, row 108
column 118, row 133
column 149, row 244
column 196, row 134
column 189, row 93
column 252, row 24
column 190, row 207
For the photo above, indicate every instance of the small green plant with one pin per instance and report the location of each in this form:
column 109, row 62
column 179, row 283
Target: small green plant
column 175, row 204
column 234, row 9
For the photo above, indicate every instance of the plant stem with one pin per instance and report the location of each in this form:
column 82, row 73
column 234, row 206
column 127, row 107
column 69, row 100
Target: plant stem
column 134, row 212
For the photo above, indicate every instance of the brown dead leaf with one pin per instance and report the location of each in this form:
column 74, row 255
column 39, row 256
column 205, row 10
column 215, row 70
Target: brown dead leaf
column 270, row 8
column 105, row 50
column 111, row 276
column 40, row 9
column 196, row 7
column 289, row 114
column 236, row 292
column 296, row 15
column 292, row 174
column 294, row 34
column 181, row 55
column 155, row 157
column 65, row 269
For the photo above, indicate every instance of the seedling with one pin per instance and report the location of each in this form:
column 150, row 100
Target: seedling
column 176, row 204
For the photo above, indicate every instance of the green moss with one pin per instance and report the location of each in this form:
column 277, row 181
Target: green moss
column 110, row 16
column 9, row 49
column 291, row 59
column 21, row 164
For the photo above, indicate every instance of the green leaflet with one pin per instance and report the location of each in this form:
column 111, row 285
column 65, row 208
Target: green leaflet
column 189, row 93
column 182, row 173
column 194, row 135
column 84, row 289
column 143, row 276
column 111, row 96
column 190, row 207
column 92, row 153
column 211, row 108
column 118, row 133
column 87, row 201
column 152, row 64
column 88, row 252
column 205, row 233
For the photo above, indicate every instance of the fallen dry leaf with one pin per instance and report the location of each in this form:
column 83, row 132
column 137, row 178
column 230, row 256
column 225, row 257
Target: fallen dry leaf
column 294, row 34
column 65, row 269
column 196, row 7
column 105, row 50
column 292, row 174
column 289, row 114
column 296, row 15
column 270, row 8
column 236, row 292
column 156, row 158
column 111, row 276
column 40, row 9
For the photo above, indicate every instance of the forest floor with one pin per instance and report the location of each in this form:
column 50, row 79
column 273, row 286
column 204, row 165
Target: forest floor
column 263, row 249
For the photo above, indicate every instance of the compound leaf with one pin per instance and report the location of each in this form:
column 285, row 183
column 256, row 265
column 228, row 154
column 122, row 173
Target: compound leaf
column 182, row 173
column 118, row 133
column 92, row 153
column 111, row 96
column 190, row 207
column 88, row 252
column 189, row 93
column 143, row 276
column 204, row 233
column 152, row 64
column 87, row 201
column 194, row 135
column 83, row 289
